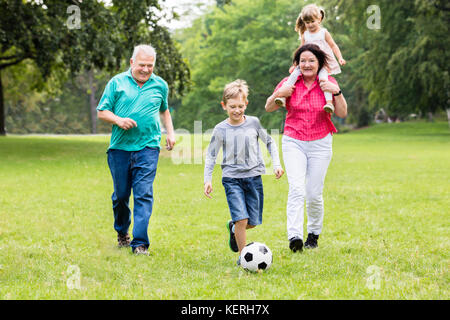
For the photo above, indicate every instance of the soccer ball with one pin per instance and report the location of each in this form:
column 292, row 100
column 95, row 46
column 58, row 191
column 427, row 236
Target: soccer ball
column 256, row 256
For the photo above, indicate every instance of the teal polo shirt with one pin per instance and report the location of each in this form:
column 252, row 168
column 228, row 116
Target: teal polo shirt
column 124, row 98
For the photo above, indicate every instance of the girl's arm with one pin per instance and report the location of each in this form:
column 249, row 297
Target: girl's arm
column 334, row 47
column 302, row 37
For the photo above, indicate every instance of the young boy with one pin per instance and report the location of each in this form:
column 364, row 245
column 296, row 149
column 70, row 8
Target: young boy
column 242, row 163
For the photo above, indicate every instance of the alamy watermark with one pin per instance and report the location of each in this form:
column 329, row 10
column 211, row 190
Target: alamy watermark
column 74, row 19
column 374, row 20
column 193, row 148
column 373, row 281
column 74, row 280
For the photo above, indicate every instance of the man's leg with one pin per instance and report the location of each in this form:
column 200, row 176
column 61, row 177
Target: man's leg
column 144, row 164
column 119, row 165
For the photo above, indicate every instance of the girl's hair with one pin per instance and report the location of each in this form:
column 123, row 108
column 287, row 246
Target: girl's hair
column 309, row 13
column 321, row 56
column 235, row 89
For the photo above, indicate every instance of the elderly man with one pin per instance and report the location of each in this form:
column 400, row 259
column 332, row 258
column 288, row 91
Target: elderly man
column 133, row 102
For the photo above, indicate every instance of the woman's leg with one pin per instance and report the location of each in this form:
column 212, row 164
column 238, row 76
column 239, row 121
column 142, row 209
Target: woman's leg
column 319, row 157
column 295, row 162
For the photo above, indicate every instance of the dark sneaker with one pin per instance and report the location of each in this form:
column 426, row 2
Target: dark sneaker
column 141, row 250
column 232, row 242
column 296, row 244
column 123, row 240
column 311, row 242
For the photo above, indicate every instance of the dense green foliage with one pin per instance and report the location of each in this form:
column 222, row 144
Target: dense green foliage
column 400, row 66
column 61, row 43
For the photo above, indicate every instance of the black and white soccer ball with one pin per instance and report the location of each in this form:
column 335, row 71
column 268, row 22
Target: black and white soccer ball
column 256, row 256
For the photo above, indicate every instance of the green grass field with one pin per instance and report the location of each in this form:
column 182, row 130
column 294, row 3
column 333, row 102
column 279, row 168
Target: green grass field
column 386, row 226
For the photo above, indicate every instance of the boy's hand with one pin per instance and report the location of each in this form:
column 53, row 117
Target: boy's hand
column 208, row 189
column 278, row 173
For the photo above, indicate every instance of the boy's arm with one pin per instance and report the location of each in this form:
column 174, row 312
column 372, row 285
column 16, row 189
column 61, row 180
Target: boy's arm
column 271, row 146
column 210, row 161
column 334, row 47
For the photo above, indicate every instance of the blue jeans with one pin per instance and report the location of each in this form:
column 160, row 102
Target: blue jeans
column 133, row 170
column 245, row 198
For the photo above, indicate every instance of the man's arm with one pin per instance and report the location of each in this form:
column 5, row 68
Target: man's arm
column 167, row 122
column 124, row 123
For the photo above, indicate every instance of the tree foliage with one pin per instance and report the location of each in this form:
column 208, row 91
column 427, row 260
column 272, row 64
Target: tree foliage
column 39, row 32
column 401, row 67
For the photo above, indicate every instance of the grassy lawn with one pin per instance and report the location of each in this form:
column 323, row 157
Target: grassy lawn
column 386, row 226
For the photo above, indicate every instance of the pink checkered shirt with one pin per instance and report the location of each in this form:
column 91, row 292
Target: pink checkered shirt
column 306, row 120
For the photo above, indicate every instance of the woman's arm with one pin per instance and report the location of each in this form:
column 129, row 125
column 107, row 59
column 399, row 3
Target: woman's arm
column 284, row 91
column 340, row 104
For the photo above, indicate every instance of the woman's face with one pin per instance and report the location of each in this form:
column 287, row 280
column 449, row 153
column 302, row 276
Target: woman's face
column 309, row 65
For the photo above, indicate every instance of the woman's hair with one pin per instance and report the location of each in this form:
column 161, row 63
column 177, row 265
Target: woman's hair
column 235, row 89
column 321, row 56
column 309, row 13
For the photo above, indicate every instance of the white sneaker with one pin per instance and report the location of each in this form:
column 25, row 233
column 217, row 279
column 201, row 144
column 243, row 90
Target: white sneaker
column 328, row 108
column 281, row 102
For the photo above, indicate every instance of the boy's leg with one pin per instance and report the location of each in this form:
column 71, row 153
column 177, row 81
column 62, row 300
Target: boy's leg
column 236, row 204
column 289, row 82
column 240, row 228
column 119, row 165
column 143, row 173
column 329, row 107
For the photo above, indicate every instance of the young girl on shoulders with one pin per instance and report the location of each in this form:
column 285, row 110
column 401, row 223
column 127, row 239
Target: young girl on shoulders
column 309, row 27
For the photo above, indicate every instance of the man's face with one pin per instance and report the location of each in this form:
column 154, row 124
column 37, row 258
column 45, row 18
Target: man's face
column 142, row 67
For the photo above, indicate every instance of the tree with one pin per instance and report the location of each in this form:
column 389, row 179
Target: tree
column 404, row 63
column 250, row 40
column 91, row 36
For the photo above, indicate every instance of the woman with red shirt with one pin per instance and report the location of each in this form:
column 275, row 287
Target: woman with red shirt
column 307, row 142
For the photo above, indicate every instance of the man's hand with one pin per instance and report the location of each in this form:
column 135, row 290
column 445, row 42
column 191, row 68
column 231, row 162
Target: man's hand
column 208, row 189
column 278, row 173
column 125, row 123
column 170, row 141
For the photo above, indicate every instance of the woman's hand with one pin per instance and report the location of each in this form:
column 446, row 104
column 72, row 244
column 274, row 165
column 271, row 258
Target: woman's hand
column 285, row 91
column 329, row 86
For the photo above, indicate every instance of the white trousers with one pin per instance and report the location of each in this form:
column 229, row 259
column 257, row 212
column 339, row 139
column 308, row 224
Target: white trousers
column 306, row 164
column 323, row 75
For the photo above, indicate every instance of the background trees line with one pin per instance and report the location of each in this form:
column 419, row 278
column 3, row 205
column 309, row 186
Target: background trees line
column 401, row 67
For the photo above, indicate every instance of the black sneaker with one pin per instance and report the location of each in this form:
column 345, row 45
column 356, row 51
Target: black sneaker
column 296, row 244
column 311, row 242
column 141, row 250
column 232, row 242
column 123, row 240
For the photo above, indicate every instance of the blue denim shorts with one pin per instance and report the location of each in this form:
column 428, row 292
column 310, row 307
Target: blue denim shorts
column 245, row 198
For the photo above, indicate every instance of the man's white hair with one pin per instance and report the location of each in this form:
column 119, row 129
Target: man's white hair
column 146, row 48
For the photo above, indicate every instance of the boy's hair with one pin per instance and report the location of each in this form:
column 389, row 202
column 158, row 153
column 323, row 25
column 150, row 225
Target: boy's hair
column 309, row 13
column 235, row 89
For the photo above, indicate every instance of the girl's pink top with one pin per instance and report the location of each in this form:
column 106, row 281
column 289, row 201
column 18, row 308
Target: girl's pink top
column 305, row 119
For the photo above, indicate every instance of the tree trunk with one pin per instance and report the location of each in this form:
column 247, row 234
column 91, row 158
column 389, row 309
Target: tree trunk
column 2, row 109
column 92, row 102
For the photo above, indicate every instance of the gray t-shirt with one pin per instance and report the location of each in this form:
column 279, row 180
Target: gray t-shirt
column 242, row 156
